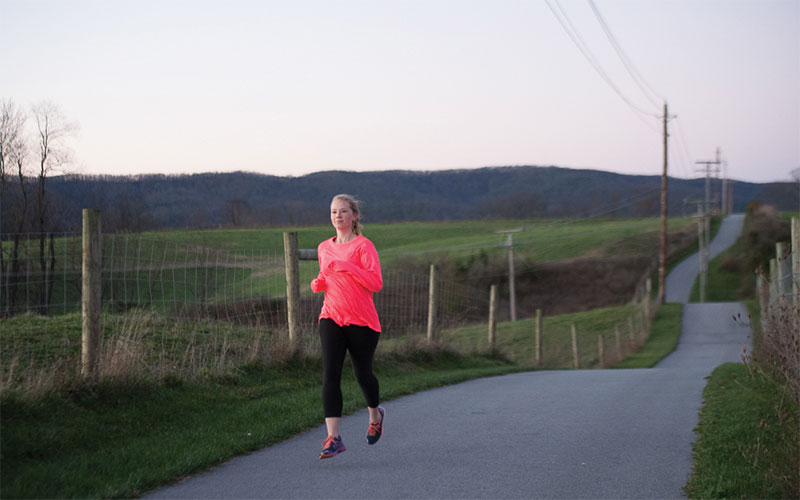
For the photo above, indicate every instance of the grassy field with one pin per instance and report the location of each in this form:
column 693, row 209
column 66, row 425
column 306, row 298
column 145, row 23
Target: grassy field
column 547, row 239
column 539, row 240
column 216, row 266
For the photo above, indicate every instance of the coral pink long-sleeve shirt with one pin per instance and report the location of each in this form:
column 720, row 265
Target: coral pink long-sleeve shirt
column 349, row 274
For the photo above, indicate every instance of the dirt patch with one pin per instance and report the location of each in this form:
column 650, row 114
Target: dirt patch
column 579, row 285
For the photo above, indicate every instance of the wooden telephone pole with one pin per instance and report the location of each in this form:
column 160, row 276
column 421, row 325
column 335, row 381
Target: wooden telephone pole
column 662, row 251
column 512, row 295
column 705, row 234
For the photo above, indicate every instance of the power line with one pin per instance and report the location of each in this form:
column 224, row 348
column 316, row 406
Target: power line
column 687, row 157
column 637, row 77
column 576, row 38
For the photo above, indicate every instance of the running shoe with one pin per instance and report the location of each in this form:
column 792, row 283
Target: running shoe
column 376, row 428
column 332, row 446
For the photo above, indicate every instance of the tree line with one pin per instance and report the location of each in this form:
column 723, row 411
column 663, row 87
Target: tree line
column 241, row 199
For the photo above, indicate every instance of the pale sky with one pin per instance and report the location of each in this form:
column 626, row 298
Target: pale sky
column 292, row 87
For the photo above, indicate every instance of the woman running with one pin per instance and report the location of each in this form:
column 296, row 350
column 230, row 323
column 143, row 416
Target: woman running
column 349, row 273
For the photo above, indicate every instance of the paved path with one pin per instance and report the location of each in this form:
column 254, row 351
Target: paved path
column 678, row 284
column 546, row 434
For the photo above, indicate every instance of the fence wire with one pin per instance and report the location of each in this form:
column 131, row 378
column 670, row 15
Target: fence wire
column 779, row 296
column 192, row 281
column 170, row 305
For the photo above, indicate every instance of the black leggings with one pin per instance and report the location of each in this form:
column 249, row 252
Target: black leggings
column 336, row 340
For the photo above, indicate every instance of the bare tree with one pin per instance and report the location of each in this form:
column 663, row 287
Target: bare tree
column 13, row 202
column 54, row 155
column 12, row 124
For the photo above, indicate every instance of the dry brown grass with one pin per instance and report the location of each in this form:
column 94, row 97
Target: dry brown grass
column 146, row 346
column 779, row 344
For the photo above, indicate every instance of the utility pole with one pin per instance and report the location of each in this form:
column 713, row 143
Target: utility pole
column 730, row 197
column 662, row 250
column 512, row 296
column 705, row 233
column 717, row 199
column 724, row 189
column 701, row 253
column 707, row 209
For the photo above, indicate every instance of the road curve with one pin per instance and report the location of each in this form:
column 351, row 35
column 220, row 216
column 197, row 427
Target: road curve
column 544, row 434
column 678, row 285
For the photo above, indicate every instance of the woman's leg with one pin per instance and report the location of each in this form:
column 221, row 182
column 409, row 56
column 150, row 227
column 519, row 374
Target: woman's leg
column 334, row 348
column 362, row 342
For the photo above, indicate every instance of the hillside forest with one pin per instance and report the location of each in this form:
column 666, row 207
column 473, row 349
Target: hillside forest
column 240, row 199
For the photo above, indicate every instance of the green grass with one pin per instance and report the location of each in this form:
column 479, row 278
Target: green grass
column 109, row 442
column 546, row 239
column 664, row 337
column 747, row 438
column 722, row 285
column 516, row 340
column 160, row 268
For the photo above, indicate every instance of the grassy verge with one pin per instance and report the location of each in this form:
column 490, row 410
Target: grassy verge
column 723, row 282
column 747, row 438
column 664, row 336
column 113, row 442
column 516, row 340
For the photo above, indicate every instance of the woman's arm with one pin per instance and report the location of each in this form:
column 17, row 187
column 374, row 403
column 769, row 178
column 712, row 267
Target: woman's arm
column 319, row 284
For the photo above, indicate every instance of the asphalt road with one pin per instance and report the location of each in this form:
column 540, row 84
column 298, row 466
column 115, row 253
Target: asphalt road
column 680, row 280
column 545, row 434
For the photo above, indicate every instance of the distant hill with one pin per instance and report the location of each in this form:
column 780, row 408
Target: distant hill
column 142, row 202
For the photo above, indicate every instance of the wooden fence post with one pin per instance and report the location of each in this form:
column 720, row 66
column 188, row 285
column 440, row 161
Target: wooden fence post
column 91, row 292
column 601, row 353
column 576, row 363
column 701, row 253
column 631, row 332
column 291, row 257
column 773, row 280
column 648, row 291
column 538, row 338
column 618, row 341
column 643, row 330
column 796, row 270
column 492, row 315
column 780, row 258
column 433, row 300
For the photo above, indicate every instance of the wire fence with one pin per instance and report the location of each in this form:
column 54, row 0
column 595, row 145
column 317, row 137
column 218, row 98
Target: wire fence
column 169, row 305
column 192, row 281
column 176, row 307
column 779, row 296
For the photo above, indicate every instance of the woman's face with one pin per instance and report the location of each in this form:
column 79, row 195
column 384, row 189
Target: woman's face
column 342, row 216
